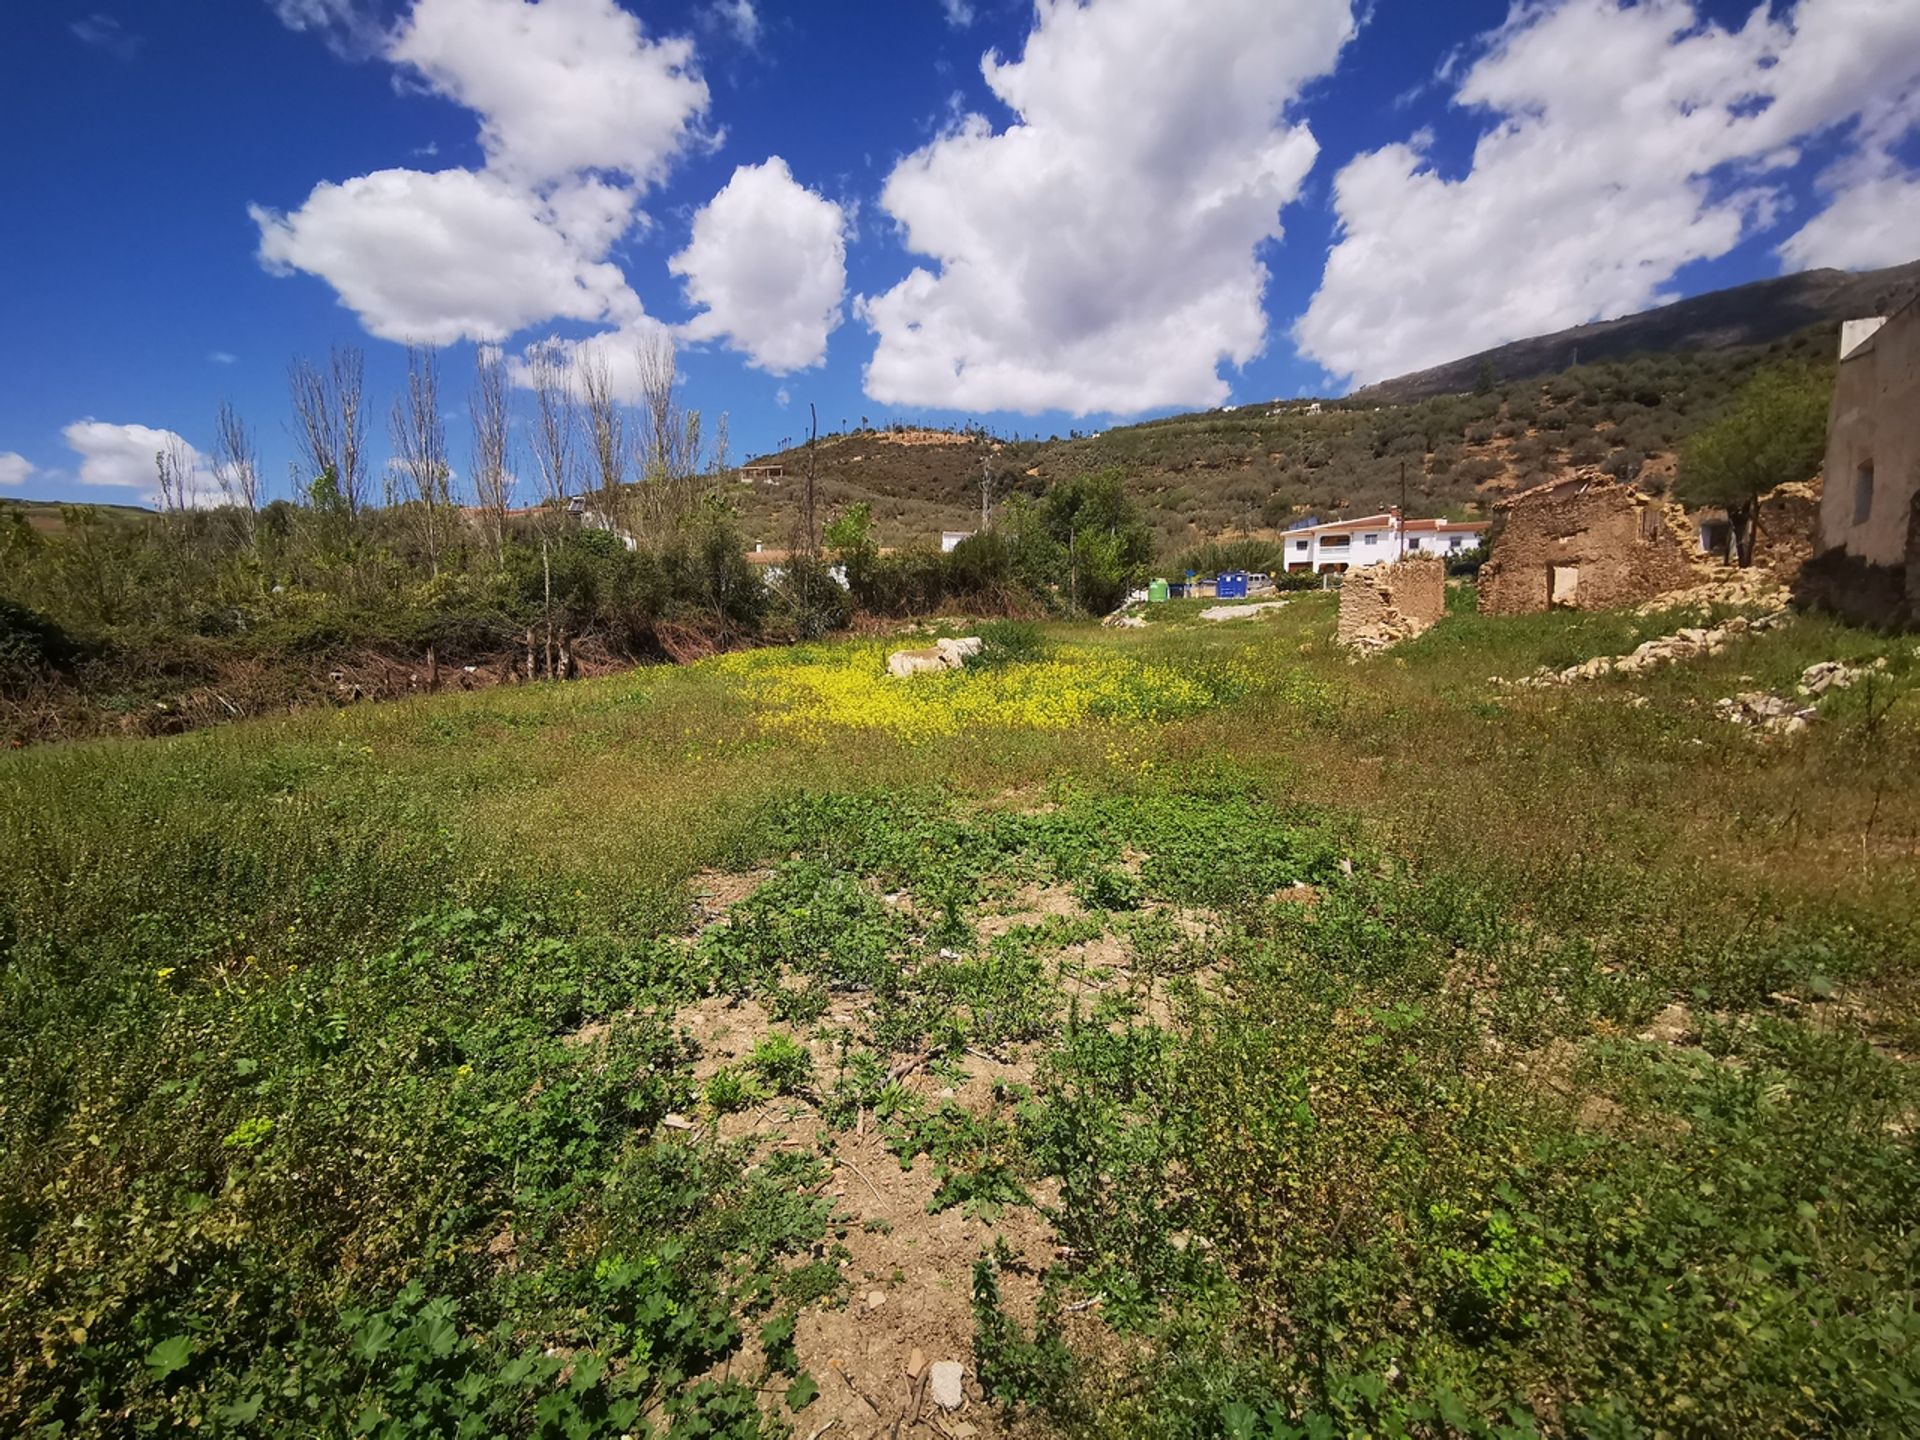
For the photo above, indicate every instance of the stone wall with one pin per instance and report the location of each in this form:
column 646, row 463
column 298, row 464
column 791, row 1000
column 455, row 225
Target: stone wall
column 1786, row 528
column 1584, row 544
column 1381, row 605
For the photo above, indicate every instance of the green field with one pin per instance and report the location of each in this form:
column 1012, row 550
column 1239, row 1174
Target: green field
column 1188, row 1030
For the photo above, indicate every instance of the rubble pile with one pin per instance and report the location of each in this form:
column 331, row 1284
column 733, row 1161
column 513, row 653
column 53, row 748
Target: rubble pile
column 1756, row 587
column 1684, row 644
column 1781, row 715
column 1764, row 710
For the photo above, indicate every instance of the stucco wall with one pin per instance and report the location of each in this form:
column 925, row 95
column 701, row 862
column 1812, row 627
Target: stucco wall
column 1610, row 544
column 1382, row 604
column 1876, row 418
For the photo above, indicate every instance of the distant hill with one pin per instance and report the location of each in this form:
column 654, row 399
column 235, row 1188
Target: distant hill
column 47, row 516
column 1640, row 386
column 1754, row 314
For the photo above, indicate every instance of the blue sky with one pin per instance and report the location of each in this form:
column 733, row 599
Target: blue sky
column 1139, row 206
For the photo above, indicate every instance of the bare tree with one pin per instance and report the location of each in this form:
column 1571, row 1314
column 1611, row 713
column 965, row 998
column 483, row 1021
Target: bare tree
column 558, row 418
column 492, row 443
column 663, row 432
column 331, row 422
column 236, row 465
column 420, row 448
column 606, row 431
column 174, row 465
column 670, row 450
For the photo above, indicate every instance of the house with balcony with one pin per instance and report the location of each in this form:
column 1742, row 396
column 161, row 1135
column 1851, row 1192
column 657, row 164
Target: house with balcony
column 1375, row 540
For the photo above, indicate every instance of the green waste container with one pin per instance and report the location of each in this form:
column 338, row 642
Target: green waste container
column 1156, row 590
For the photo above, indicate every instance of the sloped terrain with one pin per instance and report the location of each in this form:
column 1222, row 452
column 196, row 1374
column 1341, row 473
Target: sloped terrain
column 764, row 1047
column 1736, row 318
column 1255, row 469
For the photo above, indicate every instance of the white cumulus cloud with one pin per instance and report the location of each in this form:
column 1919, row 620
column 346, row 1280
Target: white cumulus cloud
column 1624, row 141
column 126, row 457
column 1869, row 224
column 739, row 17
column 1100, row 254
column 767, row 266
column 453, row 254
column 15, row 469
column 580, row 112
column 615, row 353
column 562, row 86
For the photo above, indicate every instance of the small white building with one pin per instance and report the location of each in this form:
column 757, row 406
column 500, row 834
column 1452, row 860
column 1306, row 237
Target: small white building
column 1374, row 540
column 950, row 538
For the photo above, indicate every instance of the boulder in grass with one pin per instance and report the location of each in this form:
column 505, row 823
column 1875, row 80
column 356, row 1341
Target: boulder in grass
column 942, row 655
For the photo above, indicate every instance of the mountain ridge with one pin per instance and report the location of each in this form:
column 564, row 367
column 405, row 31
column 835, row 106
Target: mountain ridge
column 1756, row 313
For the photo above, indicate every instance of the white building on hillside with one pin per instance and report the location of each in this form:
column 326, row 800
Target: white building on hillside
column 1375, row 540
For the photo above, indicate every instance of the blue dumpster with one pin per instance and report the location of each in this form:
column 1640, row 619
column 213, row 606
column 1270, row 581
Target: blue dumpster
column 1232, row 585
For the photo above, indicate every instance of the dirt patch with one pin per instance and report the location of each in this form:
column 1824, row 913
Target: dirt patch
column 922, row 437
column 724, row 1031
column 1032, row 905
column 591, row 1033
column 911, row 1279
column 1239, row 612
column 715, row 892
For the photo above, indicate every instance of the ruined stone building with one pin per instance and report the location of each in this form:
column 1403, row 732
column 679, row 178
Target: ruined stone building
column 1381, row 605
column 1869, row 565
column 1585, row 543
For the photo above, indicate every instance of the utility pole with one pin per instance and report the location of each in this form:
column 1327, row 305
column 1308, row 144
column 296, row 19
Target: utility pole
column 813, row 435
column 1401, row 528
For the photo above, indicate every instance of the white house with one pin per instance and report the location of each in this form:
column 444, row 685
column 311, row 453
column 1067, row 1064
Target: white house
column 950, row 538
column 1374, row 540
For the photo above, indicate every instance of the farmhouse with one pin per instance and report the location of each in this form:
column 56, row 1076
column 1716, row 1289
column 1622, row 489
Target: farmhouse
column 1375, row 539
column 1869, row 561
column 1584, row 543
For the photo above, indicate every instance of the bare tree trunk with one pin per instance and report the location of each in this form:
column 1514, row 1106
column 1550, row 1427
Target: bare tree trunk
column 557, row 420
column 546, row 569
column 174, row 465
column 236, row 466
column 606, row 433
column 420, row 444
column 492, row 445
column 330, row 422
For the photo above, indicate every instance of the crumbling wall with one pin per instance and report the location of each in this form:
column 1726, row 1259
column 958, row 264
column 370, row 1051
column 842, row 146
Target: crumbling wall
column 1381, row 605
column 1786, row 528
column 1583, row 544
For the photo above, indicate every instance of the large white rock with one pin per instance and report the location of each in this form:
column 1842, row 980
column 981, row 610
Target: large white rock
column 944, row 655
column 944, row 1384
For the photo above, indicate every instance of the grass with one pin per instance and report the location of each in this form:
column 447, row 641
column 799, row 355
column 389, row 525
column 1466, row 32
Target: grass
column 1296, row 1002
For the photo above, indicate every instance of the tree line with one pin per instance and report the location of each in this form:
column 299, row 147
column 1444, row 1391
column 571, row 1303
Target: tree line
column 590, row 531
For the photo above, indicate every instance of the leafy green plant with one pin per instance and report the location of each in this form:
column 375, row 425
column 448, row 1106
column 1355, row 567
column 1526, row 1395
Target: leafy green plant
column 782, row 1062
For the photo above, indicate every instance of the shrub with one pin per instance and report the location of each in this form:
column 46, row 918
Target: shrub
column 31, row 646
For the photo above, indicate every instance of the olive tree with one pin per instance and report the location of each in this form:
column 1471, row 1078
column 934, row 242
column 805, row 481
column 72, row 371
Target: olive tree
column 1774, row 431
